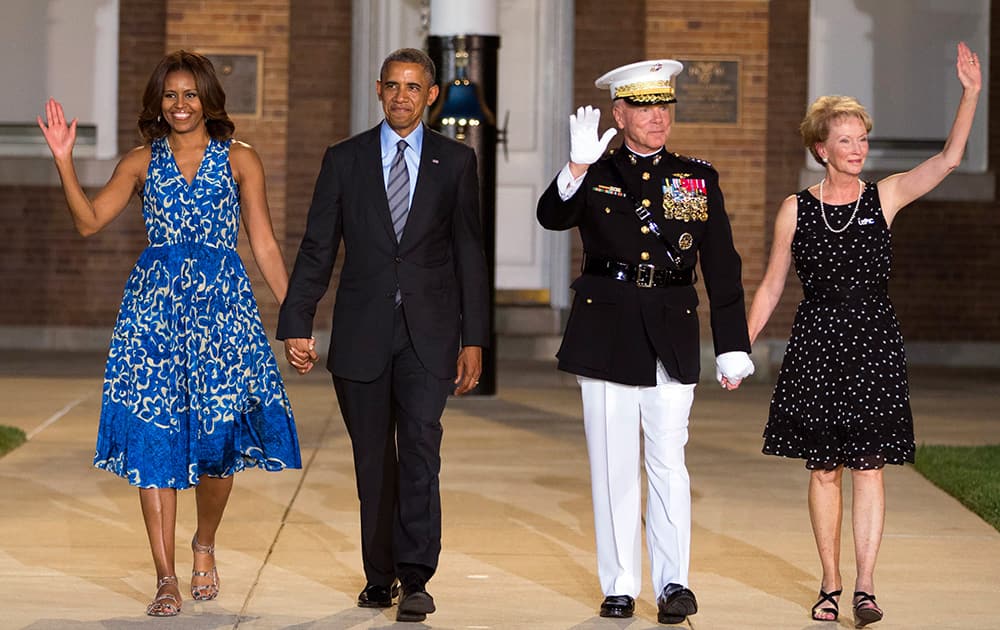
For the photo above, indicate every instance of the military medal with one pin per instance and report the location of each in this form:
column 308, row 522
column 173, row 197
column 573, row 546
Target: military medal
column 609, row 190
column 685, row 241
column 685, row 199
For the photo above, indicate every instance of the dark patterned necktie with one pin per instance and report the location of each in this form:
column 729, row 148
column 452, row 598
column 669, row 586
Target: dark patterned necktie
column 397, row 191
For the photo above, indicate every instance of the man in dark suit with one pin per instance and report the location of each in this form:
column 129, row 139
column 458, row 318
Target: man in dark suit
column 409, row 323
column 646, row 217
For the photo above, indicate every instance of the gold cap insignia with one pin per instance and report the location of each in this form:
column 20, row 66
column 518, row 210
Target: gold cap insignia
column 643, row 82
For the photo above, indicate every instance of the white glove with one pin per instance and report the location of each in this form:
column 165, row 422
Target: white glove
column 735, row 366
column 584, row 145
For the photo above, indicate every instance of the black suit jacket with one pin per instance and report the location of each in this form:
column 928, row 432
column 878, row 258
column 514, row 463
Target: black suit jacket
column 439, row 266
column 617, row 330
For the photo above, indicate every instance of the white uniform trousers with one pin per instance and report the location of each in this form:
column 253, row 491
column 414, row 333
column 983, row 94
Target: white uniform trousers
column 613, row 415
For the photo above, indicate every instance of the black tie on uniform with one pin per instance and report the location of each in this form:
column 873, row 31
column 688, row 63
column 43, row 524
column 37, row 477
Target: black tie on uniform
column 397, row 191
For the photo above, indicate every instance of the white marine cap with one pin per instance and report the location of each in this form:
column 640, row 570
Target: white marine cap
column 643, row 82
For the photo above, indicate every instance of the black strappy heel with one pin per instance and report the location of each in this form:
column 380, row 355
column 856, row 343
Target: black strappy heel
column 864, row 615
column 833, row 608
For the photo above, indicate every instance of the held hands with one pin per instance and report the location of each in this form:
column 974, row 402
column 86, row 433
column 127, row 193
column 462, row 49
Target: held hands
column 301, row 354
column 58, row 135
column 969, row 72
column 584, row 145
column 731, row 368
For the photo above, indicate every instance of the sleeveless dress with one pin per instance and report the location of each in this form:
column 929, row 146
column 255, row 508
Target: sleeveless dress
column 842, row 396
column 191, row 385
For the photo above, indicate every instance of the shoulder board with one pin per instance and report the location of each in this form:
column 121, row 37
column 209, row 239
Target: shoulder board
column 694, row 160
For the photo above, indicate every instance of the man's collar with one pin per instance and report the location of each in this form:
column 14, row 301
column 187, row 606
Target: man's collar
column 390, row 139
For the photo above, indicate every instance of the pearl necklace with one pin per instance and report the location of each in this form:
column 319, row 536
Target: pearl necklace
column 857, row 204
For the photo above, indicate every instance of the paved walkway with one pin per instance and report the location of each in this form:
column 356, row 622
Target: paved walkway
column 518, row 535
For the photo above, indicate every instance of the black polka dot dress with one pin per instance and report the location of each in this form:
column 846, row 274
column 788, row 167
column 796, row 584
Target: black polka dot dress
column 842, row 396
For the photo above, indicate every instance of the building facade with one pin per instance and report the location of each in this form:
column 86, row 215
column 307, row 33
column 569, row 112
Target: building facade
column 62, row 291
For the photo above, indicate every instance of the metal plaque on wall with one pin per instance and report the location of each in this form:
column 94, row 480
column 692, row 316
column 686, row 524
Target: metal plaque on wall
column 708, row 92
column 239, row 74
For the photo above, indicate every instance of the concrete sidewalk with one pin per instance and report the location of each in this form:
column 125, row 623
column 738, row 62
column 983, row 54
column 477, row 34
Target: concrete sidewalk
column 518, row 534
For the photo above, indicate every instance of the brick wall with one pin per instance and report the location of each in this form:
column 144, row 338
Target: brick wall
column 946, row 273
column 946, row 269
column 727, row 30
column 49, row 274
column 947, row 257
column 142, row 33
column 712, row 29
column 788, row 52
column 319, row 110
column 248, row 27
column 603, row 40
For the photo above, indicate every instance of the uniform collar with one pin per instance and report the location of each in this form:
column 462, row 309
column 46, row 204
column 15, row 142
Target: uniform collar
column 635, row 159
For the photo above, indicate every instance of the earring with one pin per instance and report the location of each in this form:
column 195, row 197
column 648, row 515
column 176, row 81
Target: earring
column 158, row 118
column 826, row 160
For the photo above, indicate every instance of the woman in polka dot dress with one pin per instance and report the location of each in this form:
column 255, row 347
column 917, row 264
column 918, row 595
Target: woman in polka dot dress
column 842, row 399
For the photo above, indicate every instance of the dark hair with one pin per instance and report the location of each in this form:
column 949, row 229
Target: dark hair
column 210, row 93
column 410, row 55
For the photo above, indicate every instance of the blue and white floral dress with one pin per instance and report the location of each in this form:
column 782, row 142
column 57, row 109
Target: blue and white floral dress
column 191, row 386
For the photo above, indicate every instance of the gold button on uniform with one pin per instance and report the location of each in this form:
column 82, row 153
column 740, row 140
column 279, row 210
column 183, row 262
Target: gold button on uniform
column 644, row 230
column 590, row 301
column 644, row 255
column 607, row 211
column 646, row 203
column 645, row 177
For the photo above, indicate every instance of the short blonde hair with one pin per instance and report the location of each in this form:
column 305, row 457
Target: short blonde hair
column 815, row 127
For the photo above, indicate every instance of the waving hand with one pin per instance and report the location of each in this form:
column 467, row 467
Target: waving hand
column 896, row 191
column 58, row 135
column 969, row 72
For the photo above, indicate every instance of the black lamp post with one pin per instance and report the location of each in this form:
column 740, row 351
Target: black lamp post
column 467, row 74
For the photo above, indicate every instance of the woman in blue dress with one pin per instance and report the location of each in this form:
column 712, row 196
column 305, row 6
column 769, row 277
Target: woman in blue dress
column 192, row 392
column 842, row 398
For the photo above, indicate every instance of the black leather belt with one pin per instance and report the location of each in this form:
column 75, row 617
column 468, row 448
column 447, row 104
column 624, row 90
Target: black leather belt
column 643, row 275
column 833, row 294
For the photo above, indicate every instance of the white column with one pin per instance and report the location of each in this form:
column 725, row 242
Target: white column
column 379, row 27
column 106, row 79
column 461, row 17
column 81, row 69
column 558, row 100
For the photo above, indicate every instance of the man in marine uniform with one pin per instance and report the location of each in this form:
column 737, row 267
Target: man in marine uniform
column 645, row 216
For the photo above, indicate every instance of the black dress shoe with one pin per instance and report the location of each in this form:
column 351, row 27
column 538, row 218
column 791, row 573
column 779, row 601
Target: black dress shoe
column 376, row 596
column 618, row 606
column 415, row 604
column 675, row 603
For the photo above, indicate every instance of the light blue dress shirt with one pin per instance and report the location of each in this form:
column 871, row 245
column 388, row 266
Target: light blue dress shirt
column 415, row 142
